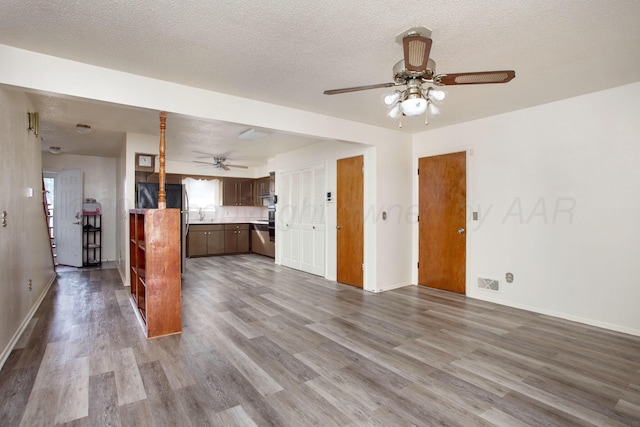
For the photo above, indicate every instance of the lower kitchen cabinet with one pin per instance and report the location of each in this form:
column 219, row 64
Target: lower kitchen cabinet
column 205, row 240
column 236, row 238
column 260, row 242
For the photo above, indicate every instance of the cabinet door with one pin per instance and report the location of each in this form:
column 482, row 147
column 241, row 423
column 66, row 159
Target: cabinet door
column 230, row 241
column 215, row 242
column 197, row 243
column 245, row 193
column 229, row 193
column 242, row 240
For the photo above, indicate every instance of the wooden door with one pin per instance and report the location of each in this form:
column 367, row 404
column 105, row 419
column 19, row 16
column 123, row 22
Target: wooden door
column 442, row 209
column 350, row 221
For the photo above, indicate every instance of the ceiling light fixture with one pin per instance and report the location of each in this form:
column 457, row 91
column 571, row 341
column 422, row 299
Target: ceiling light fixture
column 54, row 150
column 80, row 128
column 414, row 101
column 252, row 135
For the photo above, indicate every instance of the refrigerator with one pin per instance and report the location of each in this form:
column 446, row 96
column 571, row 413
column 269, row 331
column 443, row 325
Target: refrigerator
column 176, row 197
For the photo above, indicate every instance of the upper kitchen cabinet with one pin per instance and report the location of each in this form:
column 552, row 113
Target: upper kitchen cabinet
column 262, row 192
column 237, row 192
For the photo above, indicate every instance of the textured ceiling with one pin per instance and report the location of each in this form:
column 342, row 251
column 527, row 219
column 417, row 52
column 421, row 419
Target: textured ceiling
column 288, row 52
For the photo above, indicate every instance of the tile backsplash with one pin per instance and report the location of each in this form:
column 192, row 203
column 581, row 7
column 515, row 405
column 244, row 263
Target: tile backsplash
column 228, row 213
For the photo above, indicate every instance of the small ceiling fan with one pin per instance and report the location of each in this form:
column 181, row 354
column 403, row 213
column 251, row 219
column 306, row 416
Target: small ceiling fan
column 416, row 69
column 219, row 163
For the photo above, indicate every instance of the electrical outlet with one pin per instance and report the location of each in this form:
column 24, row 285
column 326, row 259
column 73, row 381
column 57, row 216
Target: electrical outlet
column 30, row 285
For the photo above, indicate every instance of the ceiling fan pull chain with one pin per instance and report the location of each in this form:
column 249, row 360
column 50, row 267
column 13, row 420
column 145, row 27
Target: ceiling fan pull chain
column 426, row 119
column 400, row 122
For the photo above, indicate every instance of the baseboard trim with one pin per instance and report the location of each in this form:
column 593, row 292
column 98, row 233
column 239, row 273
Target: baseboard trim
column 14, row 340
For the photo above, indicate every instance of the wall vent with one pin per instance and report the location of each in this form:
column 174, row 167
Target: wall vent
column 488, row 284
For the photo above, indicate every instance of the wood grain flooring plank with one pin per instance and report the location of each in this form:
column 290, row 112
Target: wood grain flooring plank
column 103, row 400
column 136, row 414
column 235, row 322
column 127, row 376
column 266, row 345
column 164, row 406
column 252, row 371
column 235, row 416
column 14, row 393
column 73, row 400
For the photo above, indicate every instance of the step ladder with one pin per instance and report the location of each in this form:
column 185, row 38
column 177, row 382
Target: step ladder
column 48, row 215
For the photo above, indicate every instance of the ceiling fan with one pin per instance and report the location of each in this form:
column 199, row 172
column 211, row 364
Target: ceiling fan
column 416, row 69
column 219, row 163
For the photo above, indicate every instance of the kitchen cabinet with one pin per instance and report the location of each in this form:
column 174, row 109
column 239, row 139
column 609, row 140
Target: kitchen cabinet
column 154, row 268
column 237, row 192
column 262, row 192
column 236, row 238
column 260, row 242
column 205, row 240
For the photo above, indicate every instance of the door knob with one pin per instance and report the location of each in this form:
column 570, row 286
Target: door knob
column 78, row 222
column 460, row 230
column 338, row 227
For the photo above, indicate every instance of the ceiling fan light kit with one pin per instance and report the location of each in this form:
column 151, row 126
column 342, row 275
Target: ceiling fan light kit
column 416, row 69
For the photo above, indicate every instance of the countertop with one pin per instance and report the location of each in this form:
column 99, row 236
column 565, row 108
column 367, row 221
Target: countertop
column 231, row 221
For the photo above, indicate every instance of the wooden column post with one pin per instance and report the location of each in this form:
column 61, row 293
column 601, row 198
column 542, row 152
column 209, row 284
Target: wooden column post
column 162, row 202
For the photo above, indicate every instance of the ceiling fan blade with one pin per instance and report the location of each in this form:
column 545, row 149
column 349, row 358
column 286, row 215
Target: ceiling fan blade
column 480, row 77
column 416, row 52
column 206, row 163
column 357, row 88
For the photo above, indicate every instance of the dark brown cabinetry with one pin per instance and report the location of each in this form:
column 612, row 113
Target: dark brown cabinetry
column 262, row 191
column 237, row 192
column 154, row 244
column 236, row 238
column 260, row 242
column 205, row 240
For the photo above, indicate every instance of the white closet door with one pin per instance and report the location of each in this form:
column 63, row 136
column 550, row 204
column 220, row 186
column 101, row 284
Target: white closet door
column 313, row 234
column 288, row 215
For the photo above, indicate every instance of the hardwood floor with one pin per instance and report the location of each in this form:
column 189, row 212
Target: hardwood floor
column 266, row 345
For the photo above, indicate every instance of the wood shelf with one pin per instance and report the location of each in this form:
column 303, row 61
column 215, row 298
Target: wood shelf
column 155, row 270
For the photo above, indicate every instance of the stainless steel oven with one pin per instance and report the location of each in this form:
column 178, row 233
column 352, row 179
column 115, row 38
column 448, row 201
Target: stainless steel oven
column 272, row 217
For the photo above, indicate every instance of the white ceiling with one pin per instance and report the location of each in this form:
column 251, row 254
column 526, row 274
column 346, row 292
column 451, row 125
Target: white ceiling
column 288, row 52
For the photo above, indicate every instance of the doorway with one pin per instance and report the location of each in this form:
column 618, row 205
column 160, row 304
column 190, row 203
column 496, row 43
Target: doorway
column 68, row 217
column 442, row 198
column 350, row 221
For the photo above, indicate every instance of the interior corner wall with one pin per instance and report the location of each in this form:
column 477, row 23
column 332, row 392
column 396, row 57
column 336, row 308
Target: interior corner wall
column 122, row 240
column 26, row 266
column 556, row 189
column 99, row 179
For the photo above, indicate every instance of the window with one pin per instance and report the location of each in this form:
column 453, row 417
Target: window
column 204, row 195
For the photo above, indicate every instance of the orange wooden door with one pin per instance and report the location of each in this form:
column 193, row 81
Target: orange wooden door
column 442, row 208
column 350, row 232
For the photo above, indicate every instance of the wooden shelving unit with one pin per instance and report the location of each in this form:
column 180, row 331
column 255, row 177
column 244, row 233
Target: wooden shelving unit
column 155, row 270
column 91, row 240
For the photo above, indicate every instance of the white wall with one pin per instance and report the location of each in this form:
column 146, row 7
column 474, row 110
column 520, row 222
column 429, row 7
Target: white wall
column 24, row 242
column 99, row 181
column 387, row 248
column 557, row 190
column 387, row 265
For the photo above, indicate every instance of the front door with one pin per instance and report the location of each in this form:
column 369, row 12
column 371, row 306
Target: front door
column 350, row 220
column 442, row 209
column 68, row 217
